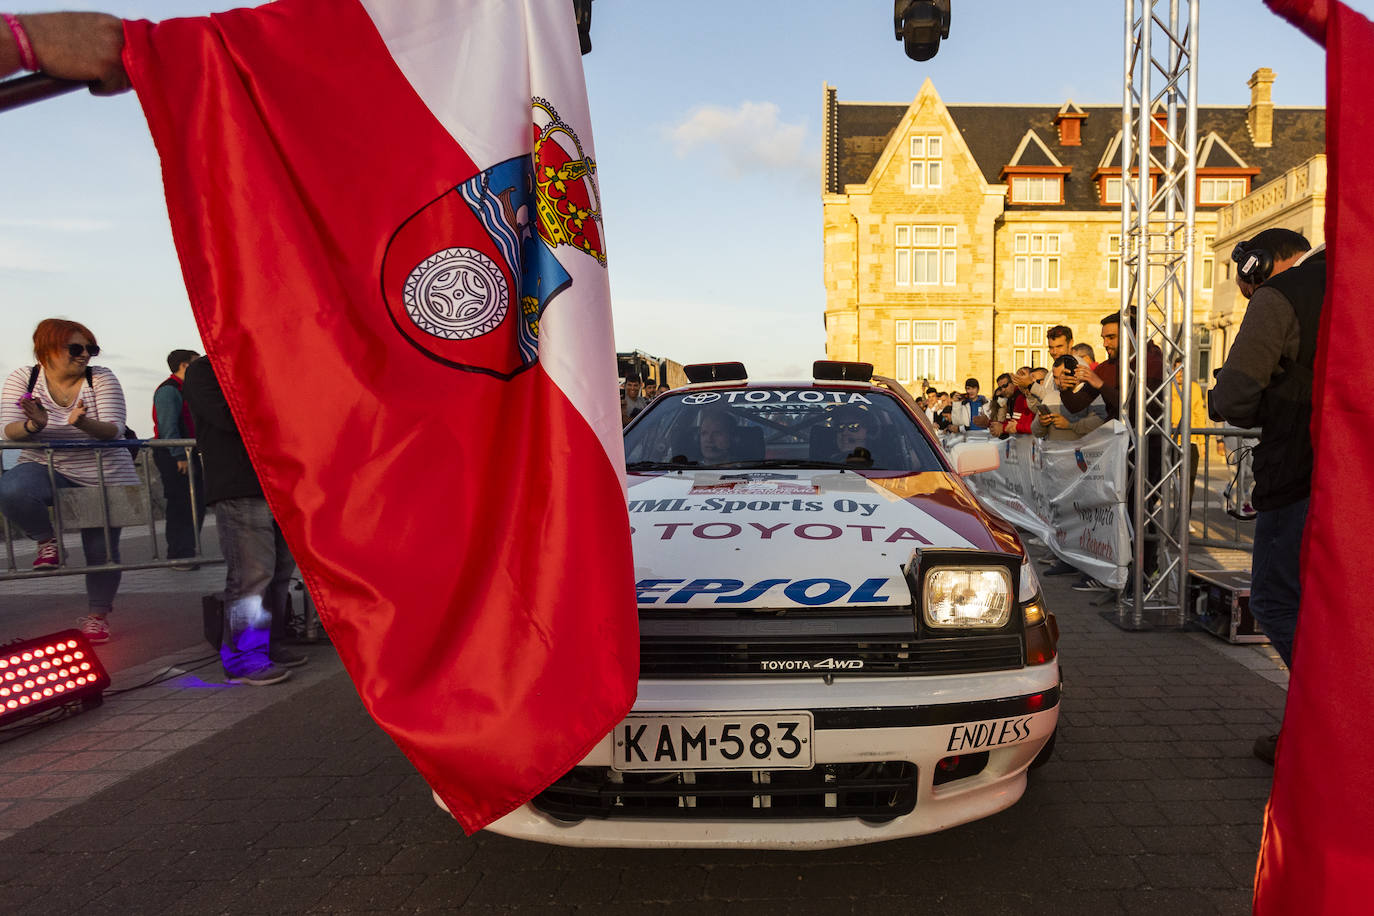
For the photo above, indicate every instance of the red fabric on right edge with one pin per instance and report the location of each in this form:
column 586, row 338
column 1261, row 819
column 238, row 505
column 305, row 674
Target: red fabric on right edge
column 1318, row 851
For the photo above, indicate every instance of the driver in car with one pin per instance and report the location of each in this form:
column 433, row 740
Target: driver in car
column 854, row 435
column 715, row 436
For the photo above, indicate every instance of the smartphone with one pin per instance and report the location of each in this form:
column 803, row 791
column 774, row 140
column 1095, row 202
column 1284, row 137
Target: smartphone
column 1043, row 410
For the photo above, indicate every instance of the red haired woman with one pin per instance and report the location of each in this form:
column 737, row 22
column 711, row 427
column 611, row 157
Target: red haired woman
column 65, row 399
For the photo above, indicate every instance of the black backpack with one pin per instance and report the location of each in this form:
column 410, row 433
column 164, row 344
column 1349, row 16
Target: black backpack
column 128, row 432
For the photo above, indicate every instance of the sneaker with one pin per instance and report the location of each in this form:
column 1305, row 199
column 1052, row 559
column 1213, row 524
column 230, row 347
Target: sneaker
column 47, row 555
column 286, row 658
column 1060, row 569
column 1089, row 584
column 262, row 677
column 1265, row 748
column 95, row 627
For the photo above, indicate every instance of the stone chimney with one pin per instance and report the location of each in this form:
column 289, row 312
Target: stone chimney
column 1260, row 116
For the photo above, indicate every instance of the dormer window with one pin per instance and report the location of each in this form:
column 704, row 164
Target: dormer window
column 1037, row 189
column 1034, row 175
column 927, row 157
column 1223, row 176
column 1108, row 175
column 1222, row 190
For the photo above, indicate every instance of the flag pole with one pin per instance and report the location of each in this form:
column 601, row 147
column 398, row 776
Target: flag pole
column 33, row 88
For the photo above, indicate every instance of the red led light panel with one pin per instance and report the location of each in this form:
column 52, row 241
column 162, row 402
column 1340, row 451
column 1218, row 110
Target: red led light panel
column 51, row 671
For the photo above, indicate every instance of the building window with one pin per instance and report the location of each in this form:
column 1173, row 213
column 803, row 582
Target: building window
column 926, row 162
column 1111, row 190
column 1114, row 262
column 1037, row 190
column 926, row 255
column 1209, row 264
column 1036, row 261
column 1221, row 190
column 925, row 350
column 1030, row 348
column 1202, row 357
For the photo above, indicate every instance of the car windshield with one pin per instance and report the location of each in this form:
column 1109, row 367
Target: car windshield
column 779, row 427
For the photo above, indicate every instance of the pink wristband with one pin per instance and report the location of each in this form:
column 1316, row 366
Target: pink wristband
column 27, row 60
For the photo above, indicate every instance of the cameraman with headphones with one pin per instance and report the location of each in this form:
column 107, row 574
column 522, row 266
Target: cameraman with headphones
column 1267, row 382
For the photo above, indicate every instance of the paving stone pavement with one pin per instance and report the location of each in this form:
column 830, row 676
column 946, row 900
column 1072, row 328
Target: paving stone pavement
column 289, row 800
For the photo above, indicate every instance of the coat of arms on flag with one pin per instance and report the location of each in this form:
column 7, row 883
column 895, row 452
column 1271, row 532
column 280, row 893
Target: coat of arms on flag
column 476, row 306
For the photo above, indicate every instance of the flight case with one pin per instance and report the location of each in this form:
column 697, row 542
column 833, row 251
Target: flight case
column 1219, row 602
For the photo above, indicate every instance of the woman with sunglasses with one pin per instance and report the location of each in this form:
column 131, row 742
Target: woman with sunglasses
column 65, row 399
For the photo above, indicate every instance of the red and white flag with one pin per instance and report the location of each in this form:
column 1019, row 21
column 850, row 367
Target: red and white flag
column 1318, row 852
column 389, row 225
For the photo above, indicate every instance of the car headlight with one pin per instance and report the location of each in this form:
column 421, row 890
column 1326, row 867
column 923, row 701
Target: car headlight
column 967, row 597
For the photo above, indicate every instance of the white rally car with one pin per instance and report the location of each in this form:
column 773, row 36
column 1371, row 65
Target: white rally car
column 839, row 644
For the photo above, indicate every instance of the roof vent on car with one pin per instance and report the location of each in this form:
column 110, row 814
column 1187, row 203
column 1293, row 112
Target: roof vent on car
column 715, row 372
column 833, row 371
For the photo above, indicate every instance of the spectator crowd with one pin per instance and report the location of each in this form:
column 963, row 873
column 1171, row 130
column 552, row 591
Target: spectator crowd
column 1066, row 400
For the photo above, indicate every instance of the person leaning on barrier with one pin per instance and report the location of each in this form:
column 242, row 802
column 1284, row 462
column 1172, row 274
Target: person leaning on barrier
column 1266, row 382
column 257, row 563
column 1062, row 423
column 1014, row 416
column 970, row 409
column 62, row 398
column 172, row 420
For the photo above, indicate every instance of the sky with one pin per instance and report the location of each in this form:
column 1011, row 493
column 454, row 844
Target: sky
column 707, row 120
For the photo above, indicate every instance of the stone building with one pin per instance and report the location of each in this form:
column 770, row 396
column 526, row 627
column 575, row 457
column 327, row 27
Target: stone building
column 955, row 235
column 1294, row 200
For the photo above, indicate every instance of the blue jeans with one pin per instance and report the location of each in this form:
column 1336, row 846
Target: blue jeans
column 257, row 573
column 25, row 497
column 1274, row 581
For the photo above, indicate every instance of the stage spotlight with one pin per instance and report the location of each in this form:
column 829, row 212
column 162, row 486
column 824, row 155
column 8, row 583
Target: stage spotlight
column 41, row 674
column 920, row 24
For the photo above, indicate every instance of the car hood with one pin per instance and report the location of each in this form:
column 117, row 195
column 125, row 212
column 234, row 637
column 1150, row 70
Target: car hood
column 796, row 538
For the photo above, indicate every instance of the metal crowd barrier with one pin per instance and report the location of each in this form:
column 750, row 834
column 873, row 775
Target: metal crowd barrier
column 1212, row 525
column 1220, row 529
column 115, row 507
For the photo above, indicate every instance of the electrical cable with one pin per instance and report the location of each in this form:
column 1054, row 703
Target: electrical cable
column 175, row 669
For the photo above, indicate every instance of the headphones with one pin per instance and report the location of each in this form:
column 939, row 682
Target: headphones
column 1253, row 263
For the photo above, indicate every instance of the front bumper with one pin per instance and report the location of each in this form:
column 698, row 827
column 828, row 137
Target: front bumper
column 913, row 720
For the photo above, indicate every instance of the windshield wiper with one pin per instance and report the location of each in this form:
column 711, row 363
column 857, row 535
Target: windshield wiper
column 791, row 463
column 659, row 466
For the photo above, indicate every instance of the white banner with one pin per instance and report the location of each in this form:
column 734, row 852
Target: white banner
column 1069, row 493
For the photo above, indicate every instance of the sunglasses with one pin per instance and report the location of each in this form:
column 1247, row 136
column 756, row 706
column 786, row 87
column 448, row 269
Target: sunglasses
column 75, row 350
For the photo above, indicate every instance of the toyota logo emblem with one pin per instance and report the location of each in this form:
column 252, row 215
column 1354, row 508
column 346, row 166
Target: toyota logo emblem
column 704, row 397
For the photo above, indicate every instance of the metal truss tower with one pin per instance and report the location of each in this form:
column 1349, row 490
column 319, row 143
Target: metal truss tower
column 1158, row 207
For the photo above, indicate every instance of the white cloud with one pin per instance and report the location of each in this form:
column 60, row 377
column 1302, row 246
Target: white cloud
column 58, row 225
column 751, row 137
column 24, row 257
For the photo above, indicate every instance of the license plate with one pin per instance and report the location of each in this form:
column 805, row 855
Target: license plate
column 743, row 741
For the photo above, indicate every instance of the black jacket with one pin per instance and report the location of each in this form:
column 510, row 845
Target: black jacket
column 1267, row 380
column 228, row 472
